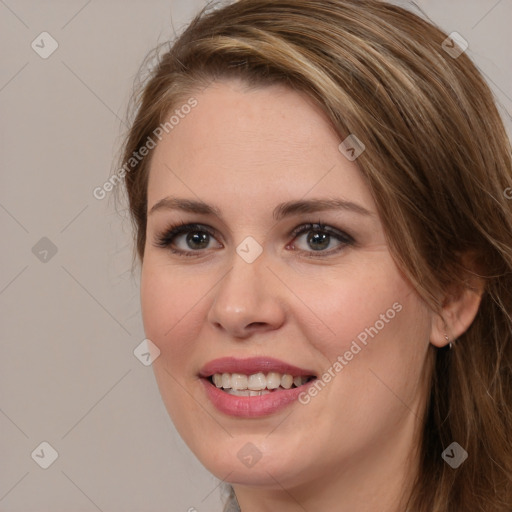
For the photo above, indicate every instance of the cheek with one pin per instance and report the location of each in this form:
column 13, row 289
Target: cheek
column 365, row 300
column 174, row 304
column 373, row 336
column 167, row 302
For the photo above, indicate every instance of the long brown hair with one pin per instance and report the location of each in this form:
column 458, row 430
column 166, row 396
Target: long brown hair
column 438, row 164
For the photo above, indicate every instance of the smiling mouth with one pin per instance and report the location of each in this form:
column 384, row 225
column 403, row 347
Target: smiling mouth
column 257, row 384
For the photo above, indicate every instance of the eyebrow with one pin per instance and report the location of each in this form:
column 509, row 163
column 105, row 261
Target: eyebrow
column 282, row 210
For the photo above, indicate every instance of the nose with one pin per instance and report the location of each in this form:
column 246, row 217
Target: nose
column 247, row 300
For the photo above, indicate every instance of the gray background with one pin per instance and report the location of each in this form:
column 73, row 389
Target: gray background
column 70, row 321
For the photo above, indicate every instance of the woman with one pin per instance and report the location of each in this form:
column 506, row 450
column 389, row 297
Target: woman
column 318, row 191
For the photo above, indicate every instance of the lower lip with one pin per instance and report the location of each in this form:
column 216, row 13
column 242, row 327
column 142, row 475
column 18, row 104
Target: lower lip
column 252, row 406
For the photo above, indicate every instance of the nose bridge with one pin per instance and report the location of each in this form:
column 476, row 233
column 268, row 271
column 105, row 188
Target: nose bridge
column 246, row 296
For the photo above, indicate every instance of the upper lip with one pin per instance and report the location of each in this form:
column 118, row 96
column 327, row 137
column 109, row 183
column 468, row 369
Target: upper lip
column 252, row 365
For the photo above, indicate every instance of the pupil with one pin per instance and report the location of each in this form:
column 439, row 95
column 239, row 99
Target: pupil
column 198, row 237
column 322, row 237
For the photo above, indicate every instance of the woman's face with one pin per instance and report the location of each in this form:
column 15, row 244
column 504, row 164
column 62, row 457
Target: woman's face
column 328, row 302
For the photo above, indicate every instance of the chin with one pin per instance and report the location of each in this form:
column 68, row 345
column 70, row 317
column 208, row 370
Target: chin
column 253, row 460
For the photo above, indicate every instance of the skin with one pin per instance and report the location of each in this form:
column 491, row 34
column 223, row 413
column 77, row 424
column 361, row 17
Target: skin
column 352, row 447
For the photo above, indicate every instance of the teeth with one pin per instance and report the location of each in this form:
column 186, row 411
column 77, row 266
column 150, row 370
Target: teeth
column 273, row 380
column 239, row 381
column 257, row 383
column 226, row 380
column 286, row 381
column 258, row 393
column 247, row 392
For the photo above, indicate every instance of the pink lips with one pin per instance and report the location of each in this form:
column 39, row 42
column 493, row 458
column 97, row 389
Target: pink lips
column 251, row 407
column 250, row 366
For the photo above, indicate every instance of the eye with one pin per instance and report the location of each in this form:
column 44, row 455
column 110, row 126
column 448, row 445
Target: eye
column 197, row 237
column 320, row 237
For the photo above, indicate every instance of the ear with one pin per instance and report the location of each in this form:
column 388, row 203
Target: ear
column 459, row 308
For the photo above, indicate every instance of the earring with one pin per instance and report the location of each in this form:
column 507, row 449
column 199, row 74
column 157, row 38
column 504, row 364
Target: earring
column 450, row 344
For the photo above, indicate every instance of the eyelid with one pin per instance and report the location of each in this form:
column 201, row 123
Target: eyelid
column 325, row 228
column 163, row 239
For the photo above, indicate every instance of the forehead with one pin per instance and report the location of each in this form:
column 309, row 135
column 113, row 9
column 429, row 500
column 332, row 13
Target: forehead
column 253, row 145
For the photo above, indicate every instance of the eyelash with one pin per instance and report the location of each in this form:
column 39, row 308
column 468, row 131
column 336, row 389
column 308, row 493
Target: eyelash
column 165, row 239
